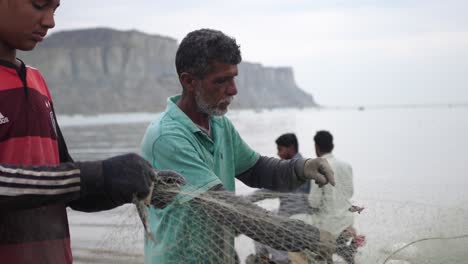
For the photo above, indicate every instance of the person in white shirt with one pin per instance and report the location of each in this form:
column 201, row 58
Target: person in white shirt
column 334, row 209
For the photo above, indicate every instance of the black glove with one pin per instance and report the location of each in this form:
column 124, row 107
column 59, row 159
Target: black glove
column 112, row 182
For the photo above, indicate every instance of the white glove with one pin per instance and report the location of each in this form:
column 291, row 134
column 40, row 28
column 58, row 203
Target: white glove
column 320, row 171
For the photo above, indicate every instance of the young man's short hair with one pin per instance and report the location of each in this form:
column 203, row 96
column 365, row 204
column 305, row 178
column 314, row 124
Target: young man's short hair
column 287, row 140
column 324, row 140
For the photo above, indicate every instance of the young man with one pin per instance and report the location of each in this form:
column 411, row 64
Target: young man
column 294, row 202
column 194, row 138
column 36, row 183
column 288, row 147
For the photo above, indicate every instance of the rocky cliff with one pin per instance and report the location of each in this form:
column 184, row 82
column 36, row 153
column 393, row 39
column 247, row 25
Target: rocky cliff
column 103, row 70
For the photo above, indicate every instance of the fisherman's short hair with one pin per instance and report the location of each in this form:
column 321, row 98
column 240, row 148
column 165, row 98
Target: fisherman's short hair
column 324, row 140
column 200, row 48
column 287, row 140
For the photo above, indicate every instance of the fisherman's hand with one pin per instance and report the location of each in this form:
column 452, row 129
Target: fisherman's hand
column 319, row 171
column 166, row 187
column 116, row 180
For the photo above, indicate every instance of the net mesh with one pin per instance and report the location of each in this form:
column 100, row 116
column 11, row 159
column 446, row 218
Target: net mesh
column 220, row 227
column 204, row 229
column 396, row 232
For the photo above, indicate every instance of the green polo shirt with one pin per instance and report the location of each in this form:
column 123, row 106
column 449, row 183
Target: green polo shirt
column 174, row 142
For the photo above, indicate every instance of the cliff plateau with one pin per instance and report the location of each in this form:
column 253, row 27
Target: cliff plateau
column 104, row 70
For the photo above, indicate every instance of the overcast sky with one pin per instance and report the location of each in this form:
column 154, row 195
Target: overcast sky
column 344, row 52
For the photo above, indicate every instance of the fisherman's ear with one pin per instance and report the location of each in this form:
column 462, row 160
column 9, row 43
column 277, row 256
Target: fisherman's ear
column 189, row 81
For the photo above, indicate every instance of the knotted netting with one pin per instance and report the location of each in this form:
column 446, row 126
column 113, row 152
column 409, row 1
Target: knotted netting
column 203, row 229
column 220, row 227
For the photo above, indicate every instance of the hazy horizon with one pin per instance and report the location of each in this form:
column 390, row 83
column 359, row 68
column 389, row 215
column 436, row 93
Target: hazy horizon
column 366, row 52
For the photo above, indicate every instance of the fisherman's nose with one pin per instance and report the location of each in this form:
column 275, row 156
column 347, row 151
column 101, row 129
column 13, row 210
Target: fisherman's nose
column 232, row 89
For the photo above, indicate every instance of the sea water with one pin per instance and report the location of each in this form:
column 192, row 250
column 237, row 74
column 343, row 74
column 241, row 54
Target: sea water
column 409, row 164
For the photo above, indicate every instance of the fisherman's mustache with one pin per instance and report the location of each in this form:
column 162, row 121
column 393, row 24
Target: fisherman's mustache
column 227, row 100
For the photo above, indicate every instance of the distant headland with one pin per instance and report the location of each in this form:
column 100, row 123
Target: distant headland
column 104, row 70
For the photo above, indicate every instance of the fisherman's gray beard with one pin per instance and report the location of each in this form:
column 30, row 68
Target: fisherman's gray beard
column 215, row 110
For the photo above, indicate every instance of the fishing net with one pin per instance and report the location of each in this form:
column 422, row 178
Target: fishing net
column 397, row 232
column 220, row 227
column 413, row 233
column 203, row 229
column 214, row 227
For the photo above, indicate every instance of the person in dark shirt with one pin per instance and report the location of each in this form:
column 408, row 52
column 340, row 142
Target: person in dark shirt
column 291, row 203
column 288, row 149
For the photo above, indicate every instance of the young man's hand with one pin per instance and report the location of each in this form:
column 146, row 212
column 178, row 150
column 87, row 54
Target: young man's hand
column 320, row 171
column 116, row 180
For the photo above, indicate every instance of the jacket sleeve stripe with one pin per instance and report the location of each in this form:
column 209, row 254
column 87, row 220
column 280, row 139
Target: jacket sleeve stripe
column 40, row 178
column 7, row 191
column 19, row 185
column 57, row 182
column 39, row 173
column 37, row 180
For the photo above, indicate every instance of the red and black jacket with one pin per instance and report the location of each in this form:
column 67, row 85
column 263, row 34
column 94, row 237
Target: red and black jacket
column 34, row 190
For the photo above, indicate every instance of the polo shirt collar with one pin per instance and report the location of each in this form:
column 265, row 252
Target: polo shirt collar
column 174, row 111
